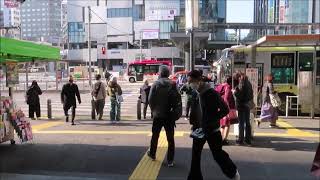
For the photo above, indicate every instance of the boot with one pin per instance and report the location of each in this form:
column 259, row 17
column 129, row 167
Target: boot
column 73, row 121
column 67, row 118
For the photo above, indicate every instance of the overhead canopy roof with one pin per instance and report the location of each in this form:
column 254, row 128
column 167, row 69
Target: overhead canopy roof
column 305, row 42
column 23, row 51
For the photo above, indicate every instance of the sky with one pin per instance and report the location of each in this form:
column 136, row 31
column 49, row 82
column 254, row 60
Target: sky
column 240, row 11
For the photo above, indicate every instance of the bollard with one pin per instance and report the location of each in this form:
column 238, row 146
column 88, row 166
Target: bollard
column 49, row 109
column 93, row 109
column 139, row 109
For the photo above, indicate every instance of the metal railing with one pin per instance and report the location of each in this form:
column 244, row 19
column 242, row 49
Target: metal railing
column 292, row 106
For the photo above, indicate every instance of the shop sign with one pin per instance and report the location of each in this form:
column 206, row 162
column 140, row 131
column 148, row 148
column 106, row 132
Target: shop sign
column 12, row 74
column 252, row 74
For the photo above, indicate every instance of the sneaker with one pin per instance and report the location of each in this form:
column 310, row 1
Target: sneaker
column 236, row 176
column 197, row 134
column 248, row 143
column 152, row 157
column 186, row 118
column 272, row 126
column 73, row 124
column 170, row 164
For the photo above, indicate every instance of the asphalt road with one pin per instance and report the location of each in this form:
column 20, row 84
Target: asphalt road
column 101, row 150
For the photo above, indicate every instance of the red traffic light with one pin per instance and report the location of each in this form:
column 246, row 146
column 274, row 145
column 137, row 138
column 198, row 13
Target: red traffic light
column 103, row 50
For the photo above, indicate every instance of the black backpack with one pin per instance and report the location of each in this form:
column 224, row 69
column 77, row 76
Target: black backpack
column 175, row 103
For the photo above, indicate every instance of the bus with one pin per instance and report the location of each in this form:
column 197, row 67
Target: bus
column 291, row 65
column 138, row 70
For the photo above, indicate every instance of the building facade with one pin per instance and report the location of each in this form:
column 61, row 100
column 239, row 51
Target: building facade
column 41, row 21
column 127, row 30
column 10, row 19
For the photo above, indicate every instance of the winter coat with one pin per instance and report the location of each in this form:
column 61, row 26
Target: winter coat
column 114, row 89
column 102, row 91
column 243, row 94
column 266, row 91
column 213, row 108
column 144, row 92
column 158, row 98
column 225, row 92
column 33, row 95
column 69, row 93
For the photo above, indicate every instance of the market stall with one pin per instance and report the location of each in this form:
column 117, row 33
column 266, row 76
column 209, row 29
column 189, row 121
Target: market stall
column 14, row 51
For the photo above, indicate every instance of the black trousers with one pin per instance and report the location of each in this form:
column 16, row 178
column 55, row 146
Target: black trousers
column 66, row 108
column 188, row 106
column 34, row 108
column 99, row 107
column 244, row 125
column 156, row 129
column 220, row 156
column 145, row 106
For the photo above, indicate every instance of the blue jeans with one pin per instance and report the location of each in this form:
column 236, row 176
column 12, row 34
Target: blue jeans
column 244, row 122
column 115, row 109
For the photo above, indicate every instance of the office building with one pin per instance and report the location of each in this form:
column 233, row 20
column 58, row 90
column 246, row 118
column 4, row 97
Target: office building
column 10, row 19
column 41, row 20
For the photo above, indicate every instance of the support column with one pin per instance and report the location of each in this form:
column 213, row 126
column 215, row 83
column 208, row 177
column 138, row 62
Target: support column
column 187, row 60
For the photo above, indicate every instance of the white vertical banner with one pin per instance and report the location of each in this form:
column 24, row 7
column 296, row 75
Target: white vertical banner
column 252, row 74
column 192, row 13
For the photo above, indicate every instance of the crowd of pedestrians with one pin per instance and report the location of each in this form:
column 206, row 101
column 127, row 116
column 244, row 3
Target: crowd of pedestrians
column 211, row 110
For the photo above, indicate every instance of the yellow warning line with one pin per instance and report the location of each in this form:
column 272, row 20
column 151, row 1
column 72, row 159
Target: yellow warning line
column 148, row 169
column 39, row 127
column 94, row 132
column 294, row 131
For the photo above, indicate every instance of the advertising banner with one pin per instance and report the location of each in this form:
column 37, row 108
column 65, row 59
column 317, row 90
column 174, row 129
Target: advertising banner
column 150, row 34
column 271, row 11
column 282, row 11
column 192, row 13
column 252, row 74
column 11, row 4
column 162, row 14
column 12, row 74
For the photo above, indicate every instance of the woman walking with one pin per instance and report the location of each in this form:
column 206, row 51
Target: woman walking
column 268, row 112
column 115, row 93
column 225, row 90
column 33, row 100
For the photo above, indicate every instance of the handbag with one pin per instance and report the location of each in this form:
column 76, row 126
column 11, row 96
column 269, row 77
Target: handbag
column 119, row 98
column 275, row 100
column 233, row 116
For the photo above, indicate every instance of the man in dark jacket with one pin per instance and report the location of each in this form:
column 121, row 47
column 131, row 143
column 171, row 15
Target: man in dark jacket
column 160, row 105
column 244, row 95
column 212, row 108
column 33, row 100
column 144, row 94
column 68, row 98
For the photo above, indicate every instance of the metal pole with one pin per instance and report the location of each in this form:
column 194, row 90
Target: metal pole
column 287, row 105
column 89, row 45
column 140, row 46
column 314, row 81
column 191, row 51
column 27, row 74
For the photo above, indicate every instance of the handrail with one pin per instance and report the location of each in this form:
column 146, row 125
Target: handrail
column 289, row 99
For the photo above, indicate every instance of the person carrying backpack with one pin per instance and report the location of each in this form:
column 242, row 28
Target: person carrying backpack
column 212, row 108
column 166, row 106
column 99, row 94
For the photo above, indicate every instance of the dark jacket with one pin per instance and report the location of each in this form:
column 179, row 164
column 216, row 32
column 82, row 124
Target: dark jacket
column 213, row 109
column 69, row 93
column 243, row 94
column 188, row 90
column 33, row 95
column 144, row 92
column 158, row 98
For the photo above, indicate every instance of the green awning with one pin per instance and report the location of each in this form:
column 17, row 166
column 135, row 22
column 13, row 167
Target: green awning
column 23, row 51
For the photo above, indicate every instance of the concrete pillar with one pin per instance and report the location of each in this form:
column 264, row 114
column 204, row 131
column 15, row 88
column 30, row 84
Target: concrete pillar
column 187, row 61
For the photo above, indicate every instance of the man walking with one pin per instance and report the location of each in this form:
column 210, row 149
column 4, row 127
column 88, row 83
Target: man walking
column 99, row 94
column 68, row 98
column 212, row 109
column 144, row 95
column 166, row 107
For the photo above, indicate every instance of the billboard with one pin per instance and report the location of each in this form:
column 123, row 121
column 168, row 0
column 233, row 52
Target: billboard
column 271, row 11
column 162, row 14
column 11, row 3
column 150, row 34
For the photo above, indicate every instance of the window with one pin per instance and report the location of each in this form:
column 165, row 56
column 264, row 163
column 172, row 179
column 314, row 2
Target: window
column 282, row 68
column 305, row 61
column 119, row 12
column 138, row 13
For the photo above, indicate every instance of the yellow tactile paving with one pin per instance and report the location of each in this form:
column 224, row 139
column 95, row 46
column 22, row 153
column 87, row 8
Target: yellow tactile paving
column 148, row 169
column 292, row 131
column 46, row 125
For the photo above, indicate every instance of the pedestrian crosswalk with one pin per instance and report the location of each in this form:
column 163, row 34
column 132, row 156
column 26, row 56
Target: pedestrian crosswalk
column 128, row 107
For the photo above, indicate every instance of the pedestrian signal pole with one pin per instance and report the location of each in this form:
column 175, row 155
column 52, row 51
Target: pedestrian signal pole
column 89, row 45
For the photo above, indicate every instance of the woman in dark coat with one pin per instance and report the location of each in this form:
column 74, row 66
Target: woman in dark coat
column 144, row 94
column 33, row 100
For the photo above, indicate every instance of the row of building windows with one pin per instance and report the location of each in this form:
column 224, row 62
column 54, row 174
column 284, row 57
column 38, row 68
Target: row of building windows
column 137, row 12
